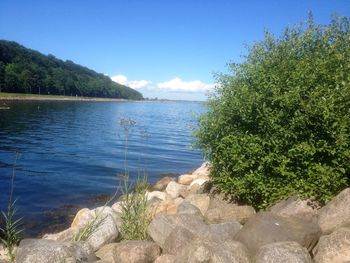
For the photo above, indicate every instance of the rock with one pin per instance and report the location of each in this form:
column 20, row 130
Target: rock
column 136, row 251
column 265, row 228
column 187, row 179
column 65, row 235
column 303, row 209
column 203, row 170
column 105, row 232
column 117, row 207
column 224, row 231
column 178, row 201
column 334, row 248
column 336, row 213
column 178, row 239
column 163, row 207
column 198, row 188
column 48, row 251
column 162, row 225
column 162, row 183
column 165, row 258
column 201, row 201
column 200, row 251
column 187, row 208
column 106, row 253
column 220, row 211
column 286, row 252
column 81, row 218
column 157, row 194
column 174, row 189
column 199, row 181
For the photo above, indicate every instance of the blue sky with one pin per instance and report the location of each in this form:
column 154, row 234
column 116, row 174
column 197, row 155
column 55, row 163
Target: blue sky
column 165, row 49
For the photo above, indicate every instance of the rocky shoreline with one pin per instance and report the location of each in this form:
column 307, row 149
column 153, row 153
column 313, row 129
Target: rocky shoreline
column 192, row 223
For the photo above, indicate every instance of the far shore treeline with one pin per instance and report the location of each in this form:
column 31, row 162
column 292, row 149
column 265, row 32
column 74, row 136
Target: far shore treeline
column 23, row 70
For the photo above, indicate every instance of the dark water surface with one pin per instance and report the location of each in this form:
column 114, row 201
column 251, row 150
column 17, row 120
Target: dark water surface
column 71, row 152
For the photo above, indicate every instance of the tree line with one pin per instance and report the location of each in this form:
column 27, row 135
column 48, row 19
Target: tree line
column 23, row 70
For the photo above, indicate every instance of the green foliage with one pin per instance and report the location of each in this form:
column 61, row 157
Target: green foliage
column 27, row 71
column 279, row 123
column 11, row 228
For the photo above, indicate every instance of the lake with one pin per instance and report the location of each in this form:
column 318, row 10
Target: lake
column 70, row 153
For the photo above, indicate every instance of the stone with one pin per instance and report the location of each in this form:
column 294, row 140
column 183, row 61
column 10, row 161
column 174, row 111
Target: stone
column 201, row 201
column 162, row 225
column 157, row 194
column 303, row 209
column 81, row 218
column 187, row 179
column 106, row 253
column 199, row 181
column 187, row 208
column 165, row 258
column 201, row 188
column 105, row 232
column 174, row 189
column 220, row 211
column 200, row 251
column 336, row 213
column 265, row 228
column 117, row 207
column 48, row 251
column 161, row 184
column 224, row 231
column 203, row 170
column 287, row 252
column 136, row 251
column 163, row 207
column 64, row 235
column 178, row 239
column 334, row 248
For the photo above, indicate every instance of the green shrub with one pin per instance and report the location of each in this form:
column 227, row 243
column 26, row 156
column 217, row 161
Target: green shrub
column 279, row 123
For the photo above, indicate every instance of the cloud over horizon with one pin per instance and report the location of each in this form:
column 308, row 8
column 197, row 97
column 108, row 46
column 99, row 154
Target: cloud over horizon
column 173, row 85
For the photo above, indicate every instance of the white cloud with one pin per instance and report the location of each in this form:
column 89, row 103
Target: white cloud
column 173, row 85
column 134, row 84
column 178, row 85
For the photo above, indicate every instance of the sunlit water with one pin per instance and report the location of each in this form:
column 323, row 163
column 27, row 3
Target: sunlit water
column 71, row 152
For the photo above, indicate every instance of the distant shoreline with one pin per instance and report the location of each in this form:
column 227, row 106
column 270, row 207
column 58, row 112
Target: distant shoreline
column 20, row 96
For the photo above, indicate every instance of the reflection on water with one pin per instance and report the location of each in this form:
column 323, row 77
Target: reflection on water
column 72, row 151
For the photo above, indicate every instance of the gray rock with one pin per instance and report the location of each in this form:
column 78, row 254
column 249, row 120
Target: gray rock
column 174, row 189
column 265, row 228
column 177, row 240
column 201, row 201
column 49, row 251
column 303, row 209
column 106, row 253
column 286, row 252
column 220, row 211
column 161, row 184
column 105, row 232
column 162, row 225
column 224, row 231
column 336, row 213
column 165, row 258
column 334, row 248
column 136, row 251
column 64, row 235
column 200, row 251
column 187, row 208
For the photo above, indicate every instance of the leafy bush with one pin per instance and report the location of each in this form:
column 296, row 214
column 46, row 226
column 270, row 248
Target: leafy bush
column 279, row 123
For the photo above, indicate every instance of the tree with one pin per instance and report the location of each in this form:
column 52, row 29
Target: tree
column 279, row 123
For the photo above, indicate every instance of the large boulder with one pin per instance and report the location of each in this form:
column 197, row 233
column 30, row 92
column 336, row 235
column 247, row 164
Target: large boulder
column 203, row 170
column 201, row 201
column 167, row 206
column 178, row 239
column 220, row 211
column 286, row 252
column 303, row 209
column 49, row 251
column 165, row 258
column 64, row 235
column 224, row 231
column 174, row 189
column 162, row 225
column 187, row 179
column 334, row 248
column 265, row 228
column 336, row 213
column 106, row 253
column 161, row 184
column 156, row 194
column 187, row 208
column 136, row 251
column 199, row 251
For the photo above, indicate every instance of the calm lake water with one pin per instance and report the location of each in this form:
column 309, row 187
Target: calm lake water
column 71, row 152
